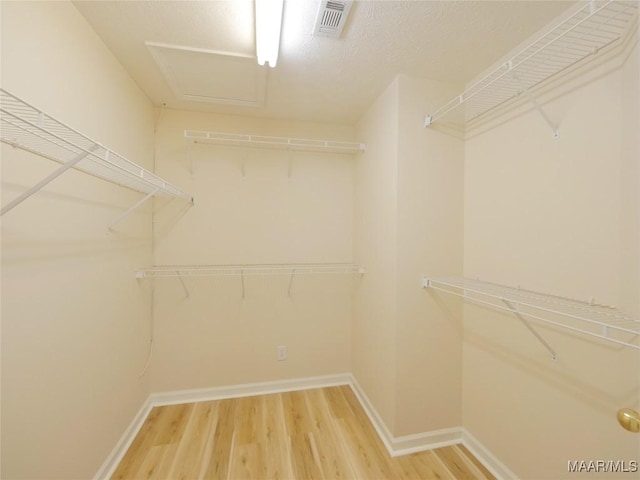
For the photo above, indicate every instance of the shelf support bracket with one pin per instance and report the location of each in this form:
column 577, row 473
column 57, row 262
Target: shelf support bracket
column 293, row 272
column 243, row 160
column 534, row 101
column 184, row 286
column 45, row 181
column 526, row 323
column 242, row 282
column 134, row 207
column 190, row 148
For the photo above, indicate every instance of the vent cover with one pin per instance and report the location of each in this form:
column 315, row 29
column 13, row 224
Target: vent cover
column 331, row 18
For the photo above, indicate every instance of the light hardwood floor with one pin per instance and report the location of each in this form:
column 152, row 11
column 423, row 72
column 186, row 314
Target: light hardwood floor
column 311, row 434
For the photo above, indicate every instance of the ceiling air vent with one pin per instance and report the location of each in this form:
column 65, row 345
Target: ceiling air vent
column 331, row 18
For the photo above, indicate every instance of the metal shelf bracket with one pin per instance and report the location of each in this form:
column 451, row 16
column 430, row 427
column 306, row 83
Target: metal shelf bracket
column 293, row 272
column 44, row 182
column 534, row 101
column 184, row 286
column 134, row 207
column 527, row 324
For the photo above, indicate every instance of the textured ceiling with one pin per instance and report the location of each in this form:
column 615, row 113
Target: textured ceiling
column 318, row 78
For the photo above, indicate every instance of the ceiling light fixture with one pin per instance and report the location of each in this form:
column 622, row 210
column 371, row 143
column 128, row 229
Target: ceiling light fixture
column 268, row 26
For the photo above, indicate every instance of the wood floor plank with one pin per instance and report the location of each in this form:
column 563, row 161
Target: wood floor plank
column 218, row 467
column 163, row 467
column 149, row 463
column 370, row 447
column 330, row 449
column 248, row 420
column 335, row 398
column 303, row 460
column 172, row 422
column 407, row 468
column 296, row 414
column 141, row 445
column 456, row 463
column 363, row 452
column 312, row 434
column 163, row 426
column 191, row 447
column 428, row 465
column 208, row 445
column 247, row 462
column 275, row 439
column 481, row 468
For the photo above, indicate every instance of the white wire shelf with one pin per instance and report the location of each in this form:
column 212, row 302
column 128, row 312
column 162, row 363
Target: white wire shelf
column 247, row 270
column 30, row 129
column 290, row 269
column 276, row 143
column 593, row 26
column 587, row 318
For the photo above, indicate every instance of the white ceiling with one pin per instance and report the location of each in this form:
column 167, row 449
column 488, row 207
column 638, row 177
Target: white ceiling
column 206, row 50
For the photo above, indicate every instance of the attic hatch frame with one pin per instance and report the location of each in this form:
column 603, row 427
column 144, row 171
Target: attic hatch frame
column 592, row 27
column 31, row 129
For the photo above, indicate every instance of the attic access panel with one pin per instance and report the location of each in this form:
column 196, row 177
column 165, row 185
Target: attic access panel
column 209, row 76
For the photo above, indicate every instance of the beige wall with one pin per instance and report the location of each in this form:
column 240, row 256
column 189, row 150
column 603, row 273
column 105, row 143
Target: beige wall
column 430, row 236
column 75, row 324
column 409, row 201
column 554, row 215
column 629, row 259
column 558, row 216
column 376, row 246
column 287, row 207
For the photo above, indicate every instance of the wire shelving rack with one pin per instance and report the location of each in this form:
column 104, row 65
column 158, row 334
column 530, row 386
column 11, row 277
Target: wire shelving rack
column 248, row 270
column 275, row 143
column 578, row 316
column 595, row 25
column 255, row 269
column 28, row 128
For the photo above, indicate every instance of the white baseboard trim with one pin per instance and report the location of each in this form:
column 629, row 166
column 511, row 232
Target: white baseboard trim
column 404, row 445
column 396, row 446
column 207, row 394
column 374, row 417
column 488, row 459
column 118, row 452
column 426, row 441
column 420, row 442
column 248, row 389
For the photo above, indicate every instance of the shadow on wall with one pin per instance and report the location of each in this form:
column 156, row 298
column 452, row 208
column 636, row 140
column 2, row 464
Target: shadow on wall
column 174, row 213
column 586, row 392
column 455, row 316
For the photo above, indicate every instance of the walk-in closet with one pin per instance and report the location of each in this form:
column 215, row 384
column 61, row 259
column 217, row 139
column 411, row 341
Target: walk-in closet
column 397, row 239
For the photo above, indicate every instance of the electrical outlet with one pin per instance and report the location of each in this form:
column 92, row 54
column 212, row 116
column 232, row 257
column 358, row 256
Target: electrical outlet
column 282, row 352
